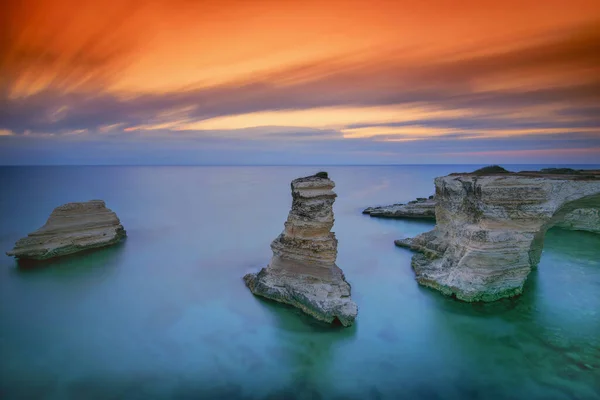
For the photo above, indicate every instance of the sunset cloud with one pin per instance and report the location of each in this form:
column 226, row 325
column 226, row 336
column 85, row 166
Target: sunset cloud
column 387, row 77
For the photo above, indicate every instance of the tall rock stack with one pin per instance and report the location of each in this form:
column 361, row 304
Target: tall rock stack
column 71, row 228
column 302, row 271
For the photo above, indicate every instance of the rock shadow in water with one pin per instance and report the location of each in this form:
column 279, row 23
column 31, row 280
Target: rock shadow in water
column 292, row 319
column 92, row 263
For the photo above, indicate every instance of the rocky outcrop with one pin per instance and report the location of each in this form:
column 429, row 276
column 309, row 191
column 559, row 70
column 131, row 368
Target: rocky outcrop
column 419, row 208
column 71, row 228
column 583, row 219
column 302, row 271
column 490, row 229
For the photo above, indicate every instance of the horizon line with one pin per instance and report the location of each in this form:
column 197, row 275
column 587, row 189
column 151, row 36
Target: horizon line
column 280, row 165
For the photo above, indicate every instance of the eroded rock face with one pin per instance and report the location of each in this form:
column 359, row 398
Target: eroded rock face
column 302, row 271
column 582, row 219
column 420, row 208
column 71, row 228
column 490, row 230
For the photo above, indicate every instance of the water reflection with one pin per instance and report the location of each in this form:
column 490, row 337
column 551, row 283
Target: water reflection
column 307, row 347
column 94, row 264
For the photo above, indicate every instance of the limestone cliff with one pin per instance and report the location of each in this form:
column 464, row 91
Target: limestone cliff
column 490, row 229
column 71, row 228
column 419, row 208
column 302, row 271
column 582, row 219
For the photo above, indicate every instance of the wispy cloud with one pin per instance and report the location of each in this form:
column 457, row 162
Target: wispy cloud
column 103, row 78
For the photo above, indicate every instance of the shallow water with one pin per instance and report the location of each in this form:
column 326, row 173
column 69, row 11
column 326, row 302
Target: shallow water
column 165, row 314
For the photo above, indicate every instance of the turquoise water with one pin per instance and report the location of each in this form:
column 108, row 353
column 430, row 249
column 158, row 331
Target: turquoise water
column 165, row 314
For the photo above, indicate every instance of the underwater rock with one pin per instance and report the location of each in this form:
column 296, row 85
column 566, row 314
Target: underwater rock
column 490, row 229
column 302, row 271
column 71, row 228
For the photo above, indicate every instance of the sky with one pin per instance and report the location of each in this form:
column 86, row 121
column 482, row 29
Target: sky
column 299, row 82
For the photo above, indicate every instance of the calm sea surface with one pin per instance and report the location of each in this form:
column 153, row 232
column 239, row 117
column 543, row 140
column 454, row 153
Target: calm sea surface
column 166, row 314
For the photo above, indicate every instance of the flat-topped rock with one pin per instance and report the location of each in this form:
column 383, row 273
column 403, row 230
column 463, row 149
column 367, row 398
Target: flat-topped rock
column 71, row 228
column 422, row 208
column 490, row 228
column 302, row 271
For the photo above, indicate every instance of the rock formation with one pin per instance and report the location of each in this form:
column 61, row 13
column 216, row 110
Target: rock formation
column 420, row 208
column 71, row 228
column 302, row 271
column 490, row 229
column 582, row 219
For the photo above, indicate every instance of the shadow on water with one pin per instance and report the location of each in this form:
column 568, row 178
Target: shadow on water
column 292, row 319
column 309, row 346
column 424, row 223
column 89, row 263
column 576, row 244
column 452, row 305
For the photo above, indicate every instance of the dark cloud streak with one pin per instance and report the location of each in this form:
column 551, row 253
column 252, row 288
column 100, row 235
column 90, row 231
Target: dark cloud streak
column 377, row 82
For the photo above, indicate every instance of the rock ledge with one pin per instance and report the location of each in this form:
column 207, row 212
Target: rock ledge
column 420, row 208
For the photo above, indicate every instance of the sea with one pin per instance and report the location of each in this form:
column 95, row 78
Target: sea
column 165, row 314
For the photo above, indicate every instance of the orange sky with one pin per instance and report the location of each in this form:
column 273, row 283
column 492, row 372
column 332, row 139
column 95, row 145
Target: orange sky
column 167, row 45
column 180, row 65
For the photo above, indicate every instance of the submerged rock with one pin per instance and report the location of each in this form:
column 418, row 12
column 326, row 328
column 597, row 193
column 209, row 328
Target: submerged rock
column 302, row 271
column 490, row 229
column 71, row 228
column 419, row 208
